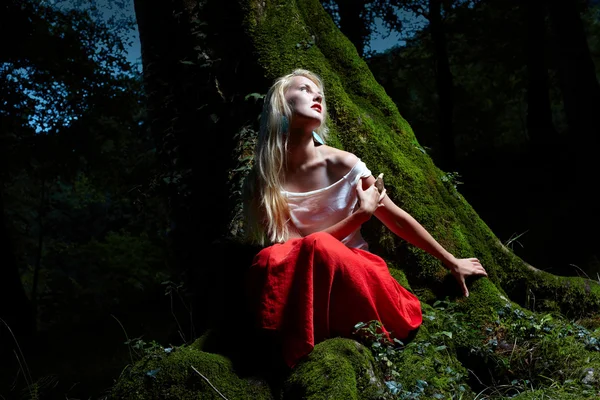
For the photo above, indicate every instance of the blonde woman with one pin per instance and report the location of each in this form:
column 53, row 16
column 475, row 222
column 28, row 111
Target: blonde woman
column 307, row 201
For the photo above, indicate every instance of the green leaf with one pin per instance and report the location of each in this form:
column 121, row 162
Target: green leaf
column 359, row 325
column 254, row 96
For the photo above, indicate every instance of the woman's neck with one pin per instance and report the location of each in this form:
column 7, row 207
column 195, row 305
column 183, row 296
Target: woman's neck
column 301, row 150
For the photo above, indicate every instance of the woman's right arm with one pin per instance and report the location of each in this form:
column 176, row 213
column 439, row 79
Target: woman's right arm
column 369, row 200
column 340, row 230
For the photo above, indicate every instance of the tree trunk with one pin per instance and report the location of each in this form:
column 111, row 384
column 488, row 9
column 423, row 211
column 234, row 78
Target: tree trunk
column 444, row 83
column 16, row 315
column 196, row 80
column 40, row 249
column 578, row 83
column 273, row 38
column 352, row 24
column 539, row 114
column 578, row 205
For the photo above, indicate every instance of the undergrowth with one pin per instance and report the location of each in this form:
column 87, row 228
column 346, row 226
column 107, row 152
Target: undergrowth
column 517, row 354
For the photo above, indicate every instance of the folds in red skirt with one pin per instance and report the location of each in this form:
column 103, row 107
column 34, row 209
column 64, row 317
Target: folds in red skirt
column 314, row 288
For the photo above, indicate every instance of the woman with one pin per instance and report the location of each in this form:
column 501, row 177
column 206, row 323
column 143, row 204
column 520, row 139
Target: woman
column 309, row 200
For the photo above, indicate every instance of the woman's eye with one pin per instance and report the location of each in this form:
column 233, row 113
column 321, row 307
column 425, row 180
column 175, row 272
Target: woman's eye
column 304, row 88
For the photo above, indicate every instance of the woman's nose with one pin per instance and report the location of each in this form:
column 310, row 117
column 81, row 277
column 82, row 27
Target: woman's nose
column 318, row 98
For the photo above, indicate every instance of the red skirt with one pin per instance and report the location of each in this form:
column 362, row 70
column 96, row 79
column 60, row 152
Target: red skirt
column 314, row 288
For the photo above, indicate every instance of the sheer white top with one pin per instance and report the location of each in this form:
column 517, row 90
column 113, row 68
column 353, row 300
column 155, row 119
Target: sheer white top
column 319, row 209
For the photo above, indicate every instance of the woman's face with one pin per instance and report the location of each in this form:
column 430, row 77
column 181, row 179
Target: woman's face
column 305, row 99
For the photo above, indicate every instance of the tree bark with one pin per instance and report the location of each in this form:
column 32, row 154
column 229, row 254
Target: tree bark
column 579, row 86
column 539, row 114
column 196, row 79
column 16, row 313
column 352, row 23
column 578, row 206
column 444, row 84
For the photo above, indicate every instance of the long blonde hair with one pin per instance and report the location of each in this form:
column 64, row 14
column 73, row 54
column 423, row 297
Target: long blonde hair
column 266, row 208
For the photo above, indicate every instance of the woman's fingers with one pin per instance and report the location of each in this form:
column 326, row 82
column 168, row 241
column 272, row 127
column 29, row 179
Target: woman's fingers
column 370, row 198
column 478, row 269
column 382, row 195
column 463, row 285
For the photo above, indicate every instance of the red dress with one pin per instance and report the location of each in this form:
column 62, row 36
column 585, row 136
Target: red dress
column 314, row 288
column 317, row 287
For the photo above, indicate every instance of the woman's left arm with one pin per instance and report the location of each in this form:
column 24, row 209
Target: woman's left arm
column 406, row 227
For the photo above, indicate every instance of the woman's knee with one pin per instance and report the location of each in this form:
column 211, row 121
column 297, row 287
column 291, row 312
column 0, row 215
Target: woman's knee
column 323, row 242
column 321, row 235
column 262, row 257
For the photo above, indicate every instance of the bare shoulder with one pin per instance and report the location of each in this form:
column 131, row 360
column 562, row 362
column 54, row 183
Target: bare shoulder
column 339, row 160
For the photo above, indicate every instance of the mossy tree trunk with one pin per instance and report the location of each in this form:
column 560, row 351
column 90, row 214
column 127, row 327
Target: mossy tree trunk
column 196, row 78
column 206, row 99
column 272, row 38
column 287, row 35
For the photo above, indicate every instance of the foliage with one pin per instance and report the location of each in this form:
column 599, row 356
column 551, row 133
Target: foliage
column 524, row 353
column 84, row 160
column 245, row 140
column 436, row 373
column 184, row 372
column 493, row 145
column 79, row 180
column 358, row 20
column 451, row 178
column 488, row 111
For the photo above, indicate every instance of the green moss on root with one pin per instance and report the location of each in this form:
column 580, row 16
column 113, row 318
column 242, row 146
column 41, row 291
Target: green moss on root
column 336, row 369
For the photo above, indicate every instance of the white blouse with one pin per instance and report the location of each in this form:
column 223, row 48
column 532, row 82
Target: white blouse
column 319, row 209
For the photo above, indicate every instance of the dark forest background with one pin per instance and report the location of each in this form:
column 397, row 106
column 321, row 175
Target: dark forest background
column 99, row 232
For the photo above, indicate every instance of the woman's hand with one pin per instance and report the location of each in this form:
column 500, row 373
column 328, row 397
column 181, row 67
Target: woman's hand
column 463, row 267
column 369, row 199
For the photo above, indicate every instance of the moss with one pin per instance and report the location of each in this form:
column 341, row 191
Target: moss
column 399, row 276
column 516, row 344
column 336, row 369
column 162, row 375
column 592, row 323
column 558, row 394
column 429, row 366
